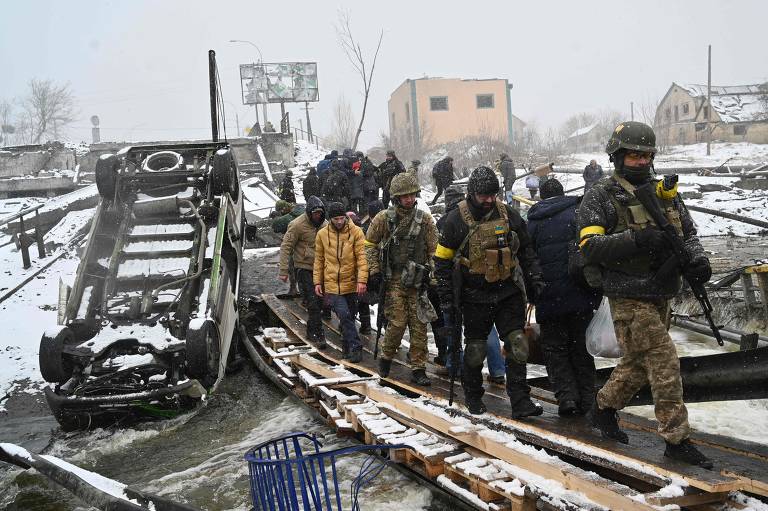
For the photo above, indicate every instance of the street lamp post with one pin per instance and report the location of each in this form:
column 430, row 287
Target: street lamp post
column 261, row 61
column 237, row 117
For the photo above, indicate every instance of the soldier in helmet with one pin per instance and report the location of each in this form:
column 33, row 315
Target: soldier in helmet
column 399, row 246
column 624, row 249
column 499, row 273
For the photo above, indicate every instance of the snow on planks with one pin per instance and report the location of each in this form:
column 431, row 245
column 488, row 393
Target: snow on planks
column 545, row 475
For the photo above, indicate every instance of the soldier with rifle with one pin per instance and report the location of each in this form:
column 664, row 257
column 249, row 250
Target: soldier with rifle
column 638, row 239
column 399, row 246
column 486, row 271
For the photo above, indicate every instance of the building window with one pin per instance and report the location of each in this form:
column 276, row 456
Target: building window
column 706, row 112
column 438, row 103
column 701, row 126
column 484, row 101
column 393, row 120
column 677, row 114
column 685, row 108
column 668, row 114
column 740, row 129
column 407, row 111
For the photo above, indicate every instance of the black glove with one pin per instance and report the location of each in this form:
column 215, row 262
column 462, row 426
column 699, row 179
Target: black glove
column 374, row 283
column 698, row 272
column 536, row 289
column 655, row 243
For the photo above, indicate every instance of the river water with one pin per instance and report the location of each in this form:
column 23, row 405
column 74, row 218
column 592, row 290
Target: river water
column 198, row 458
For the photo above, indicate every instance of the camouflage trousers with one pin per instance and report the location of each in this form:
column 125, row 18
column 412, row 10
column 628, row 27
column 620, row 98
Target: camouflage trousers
column 400, row 311
column 649, row 358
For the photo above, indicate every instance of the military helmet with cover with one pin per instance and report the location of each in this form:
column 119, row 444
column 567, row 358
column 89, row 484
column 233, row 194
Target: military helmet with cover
column 403, row 184
column 632, row 136
column 483, row 180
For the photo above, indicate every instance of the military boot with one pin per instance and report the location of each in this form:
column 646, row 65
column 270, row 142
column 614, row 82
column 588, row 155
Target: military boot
column 568, row 408
column 475, row 405
column 607, row 422
column 355, row 356
column 526, row 408
column 686, row 452
column 384, row 367
column 419, row 377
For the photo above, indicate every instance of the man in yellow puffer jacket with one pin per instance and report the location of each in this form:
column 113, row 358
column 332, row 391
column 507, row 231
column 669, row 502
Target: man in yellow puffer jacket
column 341, row 273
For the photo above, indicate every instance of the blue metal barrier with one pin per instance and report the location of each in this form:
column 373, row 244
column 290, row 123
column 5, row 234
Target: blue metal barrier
column 284, row 478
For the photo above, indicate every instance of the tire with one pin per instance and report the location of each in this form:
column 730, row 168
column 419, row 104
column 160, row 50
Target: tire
column 106, row 175
column 162, row 160
column 224, row 173
column 54, row 367
column 203, row 353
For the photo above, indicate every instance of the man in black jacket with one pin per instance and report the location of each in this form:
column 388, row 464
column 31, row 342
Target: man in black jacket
column 388, row 169
column 442, row 173
column 499, row 273
column 564, row 309
column 336, row 186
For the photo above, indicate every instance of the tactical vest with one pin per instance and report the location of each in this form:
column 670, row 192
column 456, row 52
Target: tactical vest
column 404, row 244
column 633, row 216
column 491, row 248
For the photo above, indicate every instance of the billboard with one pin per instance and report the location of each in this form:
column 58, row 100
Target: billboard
column 279, row 82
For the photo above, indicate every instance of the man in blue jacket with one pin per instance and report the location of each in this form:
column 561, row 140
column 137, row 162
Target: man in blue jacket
column 564, row 308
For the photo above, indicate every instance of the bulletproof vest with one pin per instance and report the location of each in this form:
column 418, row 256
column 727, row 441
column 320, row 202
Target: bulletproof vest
column 633, row 216
column 491, row 248
column 406, row 243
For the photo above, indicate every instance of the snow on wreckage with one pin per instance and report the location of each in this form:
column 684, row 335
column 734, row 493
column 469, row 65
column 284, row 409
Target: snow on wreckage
column 146, row 328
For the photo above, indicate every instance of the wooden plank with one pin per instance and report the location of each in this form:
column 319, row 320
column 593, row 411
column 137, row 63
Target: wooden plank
column 688, row 500
column 599, row 490
column 607, row 457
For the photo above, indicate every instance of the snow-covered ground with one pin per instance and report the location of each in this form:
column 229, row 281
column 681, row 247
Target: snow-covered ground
column 695, row 155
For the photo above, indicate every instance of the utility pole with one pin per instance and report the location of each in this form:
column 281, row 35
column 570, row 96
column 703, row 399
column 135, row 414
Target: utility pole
column 309, row 124
column 709, row 96
column 631, row 110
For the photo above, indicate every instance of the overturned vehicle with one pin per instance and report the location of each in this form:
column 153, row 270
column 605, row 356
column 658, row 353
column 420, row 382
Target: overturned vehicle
column 149, row 323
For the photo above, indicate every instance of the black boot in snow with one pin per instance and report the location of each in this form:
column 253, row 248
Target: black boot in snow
column 607, row 422
column 475, row 405
column 568, row 408
column 686, row 452
column 355, row 356
column 526, row 408
column 419, row 377
column 384, row 367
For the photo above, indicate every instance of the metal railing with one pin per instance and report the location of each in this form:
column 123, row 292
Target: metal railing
column 24, row 240
column 301, row 134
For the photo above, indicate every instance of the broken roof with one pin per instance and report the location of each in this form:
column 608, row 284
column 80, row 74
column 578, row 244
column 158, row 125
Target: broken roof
column 735, row 103
column 583, row 131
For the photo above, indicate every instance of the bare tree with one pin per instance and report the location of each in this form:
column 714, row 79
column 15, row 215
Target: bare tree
column 49, row 108
column 7, row 127
column 343, row 124
column 354, row 54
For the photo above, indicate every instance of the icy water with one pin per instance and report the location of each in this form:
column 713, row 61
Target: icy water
column 198, row 458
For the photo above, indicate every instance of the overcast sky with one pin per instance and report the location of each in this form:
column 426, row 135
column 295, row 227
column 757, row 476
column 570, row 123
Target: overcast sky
column 142, row 65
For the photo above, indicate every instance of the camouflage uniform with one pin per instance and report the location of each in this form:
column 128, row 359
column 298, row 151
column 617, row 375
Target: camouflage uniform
column 400, row 306
column 608, row 216
column 649, row 357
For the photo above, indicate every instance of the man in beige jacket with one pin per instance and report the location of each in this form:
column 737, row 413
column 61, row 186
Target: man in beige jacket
column 341, row 273
column 299, row 244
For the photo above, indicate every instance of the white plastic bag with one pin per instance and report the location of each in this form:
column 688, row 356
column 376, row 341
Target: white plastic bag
column 601, row 337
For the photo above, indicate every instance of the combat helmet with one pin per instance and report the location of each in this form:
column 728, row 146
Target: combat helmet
column 483, row 180
column 403, row 184
column 632, row 136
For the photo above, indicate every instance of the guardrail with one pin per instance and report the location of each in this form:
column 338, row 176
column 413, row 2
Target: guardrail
column 24, row 240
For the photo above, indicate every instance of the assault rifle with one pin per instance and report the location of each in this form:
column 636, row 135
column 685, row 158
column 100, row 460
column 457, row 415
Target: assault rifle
column 456, row 324
column 680, row 259
column 381, row 319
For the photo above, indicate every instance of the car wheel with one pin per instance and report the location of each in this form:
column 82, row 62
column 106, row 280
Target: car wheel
column 203, row 352
column 106, row 175
column 224, row 173
column 54, row 366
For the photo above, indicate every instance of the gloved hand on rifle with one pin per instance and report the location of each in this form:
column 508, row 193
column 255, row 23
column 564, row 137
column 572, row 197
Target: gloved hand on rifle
column 655, row 243
column 374, row 283
column 698, row 272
